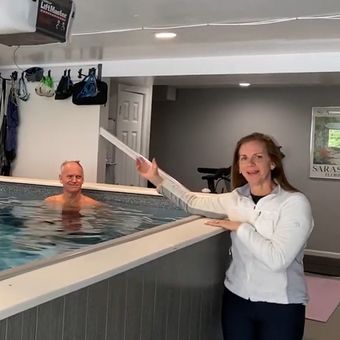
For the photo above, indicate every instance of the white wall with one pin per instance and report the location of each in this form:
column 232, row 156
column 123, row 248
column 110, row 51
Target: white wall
column 52, row 131
column 232, row 64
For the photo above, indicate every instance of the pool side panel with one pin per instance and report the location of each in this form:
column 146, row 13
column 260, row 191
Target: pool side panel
column 5, row 274
column 177, row 296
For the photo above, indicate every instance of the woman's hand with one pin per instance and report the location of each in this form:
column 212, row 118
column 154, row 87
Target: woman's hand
column 226, row 224
column 149, row 171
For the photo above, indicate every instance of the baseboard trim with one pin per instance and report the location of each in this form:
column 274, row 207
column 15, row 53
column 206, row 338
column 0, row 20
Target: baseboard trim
column 322, row 262
column 322, row 253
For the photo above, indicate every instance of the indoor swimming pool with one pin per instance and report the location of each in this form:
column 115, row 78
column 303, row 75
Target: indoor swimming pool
column 30, row 231
column 161, row 272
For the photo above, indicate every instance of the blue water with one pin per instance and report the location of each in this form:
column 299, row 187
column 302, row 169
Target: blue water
column 30, row 231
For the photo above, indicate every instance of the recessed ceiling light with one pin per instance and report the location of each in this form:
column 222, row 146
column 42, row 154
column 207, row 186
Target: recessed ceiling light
column 244, row 84
column 165, row 35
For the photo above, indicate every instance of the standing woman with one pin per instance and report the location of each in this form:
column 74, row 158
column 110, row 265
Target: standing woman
column 269, row 222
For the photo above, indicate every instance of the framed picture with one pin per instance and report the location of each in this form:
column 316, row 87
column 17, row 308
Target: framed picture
column 325, row 143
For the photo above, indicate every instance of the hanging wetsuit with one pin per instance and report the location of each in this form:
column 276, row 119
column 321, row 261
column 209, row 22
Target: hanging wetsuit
column 12, row 121
column 12, row 125
column 3, row 160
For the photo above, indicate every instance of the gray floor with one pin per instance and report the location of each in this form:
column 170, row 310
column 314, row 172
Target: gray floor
column 324, row 331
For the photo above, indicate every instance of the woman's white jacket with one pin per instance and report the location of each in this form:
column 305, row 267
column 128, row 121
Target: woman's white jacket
column 267, row 248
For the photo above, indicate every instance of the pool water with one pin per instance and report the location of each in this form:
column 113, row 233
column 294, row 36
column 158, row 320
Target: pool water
column 30, row 231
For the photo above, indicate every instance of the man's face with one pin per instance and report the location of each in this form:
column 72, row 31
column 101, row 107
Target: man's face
column 72, row 177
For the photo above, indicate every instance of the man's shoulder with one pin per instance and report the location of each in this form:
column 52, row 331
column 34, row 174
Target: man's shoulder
column 54, row 199
column 88, row 201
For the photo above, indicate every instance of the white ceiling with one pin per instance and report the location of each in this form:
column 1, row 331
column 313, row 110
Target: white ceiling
column 96, row 17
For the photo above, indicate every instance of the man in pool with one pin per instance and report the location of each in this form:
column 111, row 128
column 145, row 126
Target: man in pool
column 72, row 178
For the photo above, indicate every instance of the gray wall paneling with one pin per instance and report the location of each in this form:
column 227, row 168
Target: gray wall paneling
column 176, row 297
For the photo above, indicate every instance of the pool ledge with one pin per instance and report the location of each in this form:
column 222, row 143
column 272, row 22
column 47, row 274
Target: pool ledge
column 33, row 288
column 86, row 185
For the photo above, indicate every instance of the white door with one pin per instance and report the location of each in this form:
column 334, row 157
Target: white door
column 129, row 131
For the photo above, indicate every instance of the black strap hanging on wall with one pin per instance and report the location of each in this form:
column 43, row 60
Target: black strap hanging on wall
column 23, row 94
column 3, row 95
column 65, row 86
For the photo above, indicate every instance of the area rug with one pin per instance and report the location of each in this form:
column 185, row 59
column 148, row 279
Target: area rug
column 324, row 297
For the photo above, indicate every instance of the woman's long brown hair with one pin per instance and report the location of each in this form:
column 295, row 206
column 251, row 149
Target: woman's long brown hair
column 275, row 154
